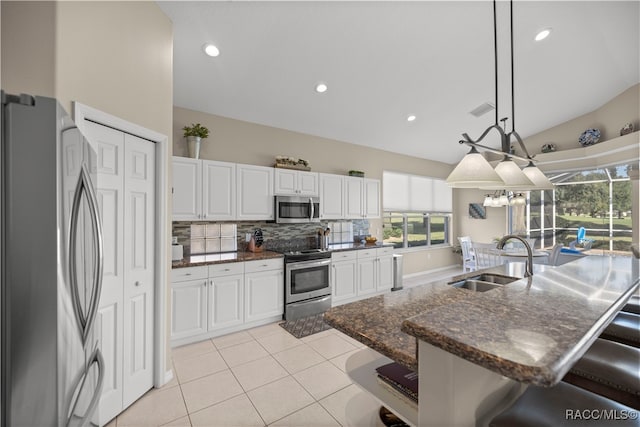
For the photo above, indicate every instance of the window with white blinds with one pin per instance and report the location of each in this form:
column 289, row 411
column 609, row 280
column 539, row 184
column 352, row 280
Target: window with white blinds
column 414, row 193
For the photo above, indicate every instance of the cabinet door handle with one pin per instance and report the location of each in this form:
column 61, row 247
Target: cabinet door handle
column 138, row 283
column 265, row 265
column 187, row 274
column 227, row 269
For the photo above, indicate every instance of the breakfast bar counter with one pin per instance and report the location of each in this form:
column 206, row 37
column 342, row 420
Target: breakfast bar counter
column 477, row 351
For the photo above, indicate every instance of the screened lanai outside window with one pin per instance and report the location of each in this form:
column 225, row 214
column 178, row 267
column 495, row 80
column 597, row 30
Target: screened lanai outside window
column 598, row 200
column 417, row 210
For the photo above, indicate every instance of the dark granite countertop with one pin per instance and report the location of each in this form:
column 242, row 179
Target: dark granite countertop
column 376, row 321
column 530, row 331
column 208, row 259
column 338, row 247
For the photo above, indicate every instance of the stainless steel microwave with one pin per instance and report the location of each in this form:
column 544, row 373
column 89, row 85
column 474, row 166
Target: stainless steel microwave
column 294, row 209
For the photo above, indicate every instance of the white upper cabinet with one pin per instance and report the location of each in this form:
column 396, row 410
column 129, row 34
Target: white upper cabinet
column 371, row 198
column 219, row 190
column 295, row 183
column 362, row 198
column 187, row 189
column 203, row 190
column 353, row 192
column 254, row 192
column 331, row 196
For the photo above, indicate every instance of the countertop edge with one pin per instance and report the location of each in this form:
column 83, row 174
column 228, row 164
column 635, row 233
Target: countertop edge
column 241, row 257
column 408, row 361
column 527, row 374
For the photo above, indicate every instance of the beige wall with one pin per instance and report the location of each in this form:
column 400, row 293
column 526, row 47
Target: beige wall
column 28, row 47
column 113, row 56
column 480, row 230
column 243, row 142
column 117, row 57
column 609, row 119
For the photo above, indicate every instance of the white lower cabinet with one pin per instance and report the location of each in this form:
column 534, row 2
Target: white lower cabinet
column 188, row 308
column 223, row 298
column 188, row 302
column 384, row 273
column 264, row 285
column 344, row 276
column 225, row 305
column 367, row 264
column 361, row 273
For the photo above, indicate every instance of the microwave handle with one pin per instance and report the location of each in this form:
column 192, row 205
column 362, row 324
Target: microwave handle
column 312, row 210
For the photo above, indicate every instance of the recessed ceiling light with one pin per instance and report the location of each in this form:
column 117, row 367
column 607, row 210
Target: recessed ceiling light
column 543, row 34
column 411, row 118
column 211, row 50
column 321, row 87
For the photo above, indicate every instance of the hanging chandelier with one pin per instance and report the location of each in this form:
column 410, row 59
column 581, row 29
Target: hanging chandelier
column 474, row 171
column 503, row 198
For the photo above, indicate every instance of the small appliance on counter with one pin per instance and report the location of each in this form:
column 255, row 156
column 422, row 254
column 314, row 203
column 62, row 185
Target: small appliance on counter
column 255, row 242
column 177, row 252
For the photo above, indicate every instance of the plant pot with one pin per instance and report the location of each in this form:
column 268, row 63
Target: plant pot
column 194, row 146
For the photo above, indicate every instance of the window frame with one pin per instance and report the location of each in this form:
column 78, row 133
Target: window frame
column 447, row 216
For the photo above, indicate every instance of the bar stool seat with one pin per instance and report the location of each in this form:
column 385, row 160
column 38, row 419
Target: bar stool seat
column 609, row 369
column 633, row 305
column 561, row 405
column 624, row 328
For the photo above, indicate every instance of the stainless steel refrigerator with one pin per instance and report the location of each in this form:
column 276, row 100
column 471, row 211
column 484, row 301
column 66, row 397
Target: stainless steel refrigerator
column 52, row 369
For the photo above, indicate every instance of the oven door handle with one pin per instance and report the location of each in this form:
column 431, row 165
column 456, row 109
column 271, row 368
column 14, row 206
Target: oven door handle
column 306, row 264
column 312, row 210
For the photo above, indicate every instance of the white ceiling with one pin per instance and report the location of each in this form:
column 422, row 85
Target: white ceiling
column 385, row 60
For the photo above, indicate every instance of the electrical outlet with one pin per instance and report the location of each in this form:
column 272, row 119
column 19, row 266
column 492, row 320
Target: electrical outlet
column 247, row 237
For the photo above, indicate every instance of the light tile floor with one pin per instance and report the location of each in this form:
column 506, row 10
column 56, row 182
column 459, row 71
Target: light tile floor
column 262, row 376
column 258, row 377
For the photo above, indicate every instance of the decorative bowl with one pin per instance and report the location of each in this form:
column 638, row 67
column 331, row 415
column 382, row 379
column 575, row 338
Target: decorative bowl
column 370, row 240
column 589, row 137
column 628, row 128
column 548, row 148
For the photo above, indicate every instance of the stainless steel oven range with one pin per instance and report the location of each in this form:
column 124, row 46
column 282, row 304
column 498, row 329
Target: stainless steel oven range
column 307, row 283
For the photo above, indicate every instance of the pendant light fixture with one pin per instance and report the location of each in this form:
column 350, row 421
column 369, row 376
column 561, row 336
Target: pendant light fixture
column 467, row 172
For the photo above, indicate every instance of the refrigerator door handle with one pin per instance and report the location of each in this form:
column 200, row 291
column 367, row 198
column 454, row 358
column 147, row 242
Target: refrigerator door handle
column 85, row 322
column 72, row 419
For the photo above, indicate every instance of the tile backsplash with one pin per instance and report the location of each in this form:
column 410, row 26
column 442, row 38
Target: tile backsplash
column 207, row 237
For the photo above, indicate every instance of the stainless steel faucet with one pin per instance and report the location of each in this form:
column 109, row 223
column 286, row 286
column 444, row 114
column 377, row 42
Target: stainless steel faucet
column 529, row 266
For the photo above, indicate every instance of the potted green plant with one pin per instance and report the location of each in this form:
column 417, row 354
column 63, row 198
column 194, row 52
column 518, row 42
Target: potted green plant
column 195, row 134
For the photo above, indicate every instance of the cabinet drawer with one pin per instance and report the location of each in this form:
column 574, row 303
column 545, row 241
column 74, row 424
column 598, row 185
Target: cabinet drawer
column 366, row 253
column 385, row 251
column 343, row 256
column 226, row 269
column 189, row 273
column 264, row 265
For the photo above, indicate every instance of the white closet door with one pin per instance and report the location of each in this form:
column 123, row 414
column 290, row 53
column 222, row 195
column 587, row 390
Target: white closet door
column 139, row 205
column 108, row 144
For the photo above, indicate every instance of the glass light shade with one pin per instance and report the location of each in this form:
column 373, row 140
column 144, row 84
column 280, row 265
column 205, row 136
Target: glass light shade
column 512, row 175
column 474, row 171
column 536, row 176
column 488, row 201
column 503, row 200
column 518, row 199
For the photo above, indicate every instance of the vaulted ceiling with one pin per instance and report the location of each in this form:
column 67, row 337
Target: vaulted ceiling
column 386, row 60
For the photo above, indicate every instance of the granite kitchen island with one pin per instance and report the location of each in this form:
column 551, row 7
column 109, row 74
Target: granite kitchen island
column 476, row 352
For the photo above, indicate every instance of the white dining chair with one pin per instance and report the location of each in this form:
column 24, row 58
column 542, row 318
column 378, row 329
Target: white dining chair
column 488, row 257
column 468, row 255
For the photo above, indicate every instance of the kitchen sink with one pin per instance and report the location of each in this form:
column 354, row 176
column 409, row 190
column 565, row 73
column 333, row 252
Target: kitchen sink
column 483, row 282
column 475, row 285
column 494, row 278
